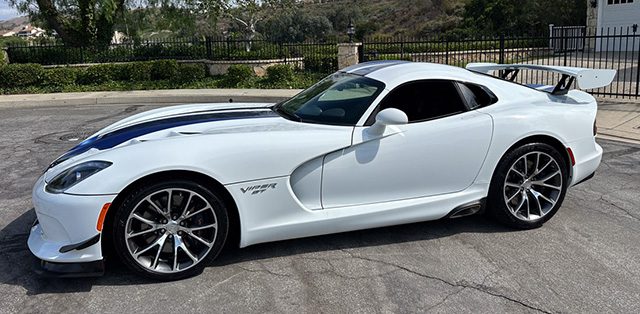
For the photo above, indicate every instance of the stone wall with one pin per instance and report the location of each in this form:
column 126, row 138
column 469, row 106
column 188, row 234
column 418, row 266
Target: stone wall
column 259, row 66
column 218, row 67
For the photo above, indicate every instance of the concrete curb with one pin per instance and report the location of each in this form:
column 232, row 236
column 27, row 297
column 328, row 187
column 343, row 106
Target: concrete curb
column 148, row 97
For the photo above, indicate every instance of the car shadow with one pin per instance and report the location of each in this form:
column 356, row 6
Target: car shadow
column 18, row 263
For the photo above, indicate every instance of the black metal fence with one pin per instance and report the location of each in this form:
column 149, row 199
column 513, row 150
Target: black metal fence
column 320, row 55
column 614, row 48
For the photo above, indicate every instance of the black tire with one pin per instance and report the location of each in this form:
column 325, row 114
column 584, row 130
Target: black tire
column 497, row 205
column 218, row 214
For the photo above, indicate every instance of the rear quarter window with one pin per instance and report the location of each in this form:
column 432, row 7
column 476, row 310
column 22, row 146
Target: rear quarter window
column 476, row 96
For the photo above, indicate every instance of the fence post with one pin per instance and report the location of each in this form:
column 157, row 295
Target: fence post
column 635, row 29
column 228, row 48
column 565, row 39
column 361, row 52
column 501, row 57
column 4, row 56
column 446, row 51
column 208, row 42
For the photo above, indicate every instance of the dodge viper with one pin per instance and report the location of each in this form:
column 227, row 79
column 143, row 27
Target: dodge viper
column 375, row 144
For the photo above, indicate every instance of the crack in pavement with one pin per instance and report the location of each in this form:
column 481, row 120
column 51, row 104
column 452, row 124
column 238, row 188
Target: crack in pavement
column 461, row 284
column 618, row 207
column 445, row 299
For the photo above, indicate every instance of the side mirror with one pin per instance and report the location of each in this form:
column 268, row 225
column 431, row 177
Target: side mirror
column 389, row 116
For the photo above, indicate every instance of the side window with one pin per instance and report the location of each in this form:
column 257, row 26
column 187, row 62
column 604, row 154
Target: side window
column 476, row 96
column 423, row 100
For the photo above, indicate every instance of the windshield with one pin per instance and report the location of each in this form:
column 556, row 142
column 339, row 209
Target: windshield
column 339, row 99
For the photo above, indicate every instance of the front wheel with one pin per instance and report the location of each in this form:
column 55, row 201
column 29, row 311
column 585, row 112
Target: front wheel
column 528, row 186
column 170, row 230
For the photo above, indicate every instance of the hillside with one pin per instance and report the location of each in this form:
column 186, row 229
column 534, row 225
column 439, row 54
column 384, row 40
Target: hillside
column 14, row 24
column 391, row 17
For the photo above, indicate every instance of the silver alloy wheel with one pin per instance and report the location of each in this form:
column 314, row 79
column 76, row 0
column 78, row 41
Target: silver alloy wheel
column 533, row 186
column 171, row 230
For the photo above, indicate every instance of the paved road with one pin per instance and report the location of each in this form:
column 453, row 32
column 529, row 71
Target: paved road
column 586, row 259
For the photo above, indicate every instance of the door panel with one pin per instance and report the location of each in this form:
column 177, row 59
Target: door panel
column 414, row 160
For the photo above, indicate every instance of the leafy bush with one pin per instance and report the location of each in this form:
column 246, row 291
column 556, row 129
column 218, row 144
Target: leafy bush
column 61, row 76
column 239, row 73
column 19, row 75
column 280, row 73
column 98, row 74
column 164, row 69
column 190, row 72
column 321, row 64
column 139, row 71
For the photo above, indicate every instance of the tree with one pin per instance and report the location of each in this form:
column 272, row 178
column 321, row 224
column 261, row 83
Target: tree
column 244, row 13
column 522, row 16
column 295, row 26
column 77, row 22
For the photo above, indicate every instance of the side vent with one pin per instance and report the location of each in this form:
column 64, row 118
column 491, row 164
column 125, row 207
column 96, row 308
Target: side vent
column 467, row 209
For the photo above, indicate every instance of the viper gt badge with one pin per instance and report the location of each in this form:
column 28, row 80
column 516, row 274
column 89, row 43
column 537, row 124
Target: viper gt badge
column 257, row 189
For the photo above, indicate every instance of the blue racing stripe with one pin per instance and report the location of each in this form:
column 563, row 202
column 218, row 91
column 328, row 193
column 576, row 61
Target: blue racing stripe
column 117, row 137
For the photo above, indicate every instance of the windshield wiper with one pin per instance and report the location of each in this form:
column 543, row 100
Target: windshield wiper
column 286, row 114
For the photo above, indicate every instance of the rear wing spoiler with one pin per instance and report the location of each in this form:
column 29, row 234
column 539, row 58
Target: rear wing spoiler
column 584, row 78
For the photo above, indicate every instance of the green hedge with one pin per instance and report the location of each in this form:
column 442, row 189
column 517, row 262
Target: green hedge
column 190, row 72
column 61, row 76
column 280, row 73
column 164, row 69
column 238, row 74
column 33, row 78
column 21, row 75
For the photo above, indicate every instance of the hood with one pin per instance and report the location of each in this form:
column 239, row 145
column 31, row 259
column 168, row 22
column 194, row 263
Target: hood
column 176, row 120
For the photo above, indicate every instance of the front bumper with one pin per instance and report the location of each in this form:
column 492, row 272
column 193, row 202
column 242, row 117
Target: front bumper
column 69, row 270
column 64, row 221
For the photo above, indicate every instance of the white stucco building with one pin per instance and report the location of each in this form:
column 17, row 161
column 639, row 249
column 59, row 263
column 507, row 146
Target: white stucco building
column 614, row 17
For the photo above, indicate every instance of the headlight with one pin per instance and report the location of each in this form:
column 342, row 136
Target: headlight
column 75, row 174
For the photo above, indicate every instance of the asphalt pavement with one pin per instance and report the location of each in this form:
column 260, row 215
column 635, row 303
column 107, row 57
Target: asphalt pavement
column 585, row 260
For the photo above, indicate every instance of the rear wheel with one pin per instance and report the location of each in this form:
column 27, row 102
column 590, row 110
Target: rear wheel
column 528, row 186
column 170, row 230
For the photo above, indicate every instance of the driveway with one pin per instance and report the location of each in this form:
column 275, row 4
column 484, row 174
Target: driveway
column 586, row 259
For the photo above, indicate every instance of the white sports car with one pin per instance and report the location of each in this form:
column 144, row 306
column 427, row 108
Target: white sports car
column 375, row 144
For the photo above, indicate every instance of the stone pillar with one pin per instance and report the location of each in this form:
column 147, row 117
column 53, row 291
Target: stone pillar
column 348, row 54
column 592, row 23
column 4, row 56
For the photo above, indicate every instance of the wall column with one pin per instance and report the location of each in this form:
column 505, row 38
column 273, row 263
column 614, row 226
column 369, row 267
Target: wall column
column 348, row 54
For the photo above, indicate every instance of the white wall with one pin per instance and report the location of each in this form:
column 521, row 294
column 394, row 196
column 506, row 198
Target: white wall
column 615, row 18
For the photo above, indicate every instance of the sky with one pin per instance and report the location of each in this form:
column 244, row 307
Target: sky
column 6, row 11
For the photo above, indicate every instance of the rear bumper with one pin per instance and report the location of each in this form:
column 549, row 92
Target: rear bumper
column 588, row 155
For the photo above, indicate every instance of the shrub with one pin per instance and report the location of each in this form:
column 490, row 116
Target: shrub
column 239, row 73
column 318, row 64
column 164, row 69
column 20, row 75
column 190, row 72
column 97, row 74
column 61, row 76
column 139, row 71
column 280, row 73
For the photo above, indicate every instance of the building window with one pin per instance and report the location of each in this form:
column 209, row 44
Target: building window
column 619, row 1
